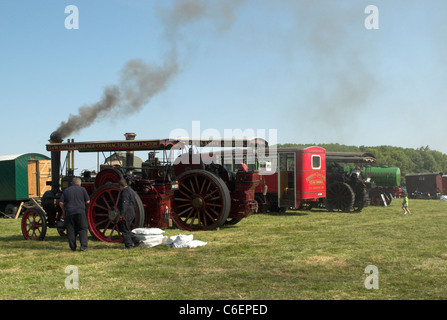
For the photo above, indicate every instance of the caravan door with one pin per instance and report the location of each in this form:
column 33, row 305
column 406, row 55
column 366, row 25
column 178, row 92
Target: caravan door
column 287, row 179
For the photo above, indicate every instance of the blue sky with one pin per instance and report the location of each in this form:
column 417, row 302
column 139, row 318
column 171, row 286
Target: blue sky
column 308, row 69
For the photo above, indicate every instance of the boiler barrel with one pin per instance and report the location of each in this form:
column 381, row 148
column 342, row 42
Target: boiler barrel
column 384, row 177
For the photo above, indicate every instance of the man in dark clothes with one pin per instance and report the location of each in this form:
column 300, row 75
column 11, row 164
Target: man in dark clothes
column 127, row 205
column 73, row 201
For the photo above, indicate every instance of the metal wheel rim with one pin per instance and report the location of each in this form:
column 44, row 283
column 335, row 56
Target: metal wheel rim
column 104, row 200
column 202, row 201
column 98, row 218
column 33, row 225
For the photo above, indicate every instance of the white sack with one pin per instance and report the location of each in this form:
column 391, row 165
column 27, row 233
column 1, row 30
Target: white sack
column 184, row 241
column 143, row 237
column 148, row 231
column 153, row 241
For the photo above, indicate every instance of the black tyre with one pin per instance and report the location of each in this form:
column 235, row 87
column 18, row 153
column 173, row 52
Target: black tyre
column 339, row 197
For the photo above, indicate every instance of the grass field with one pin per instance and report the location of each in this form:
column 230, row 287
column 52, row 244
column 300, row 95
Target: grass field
column 289, row 256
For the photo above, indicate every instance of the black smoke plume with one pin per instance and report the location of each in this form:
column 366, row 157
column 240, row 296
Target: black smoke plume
column 139, row 82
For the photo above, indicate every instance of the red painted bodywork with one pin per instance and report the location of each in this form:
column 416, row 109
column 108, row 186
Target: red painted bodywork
column 242, row 200
column 309, row 184
column 156, row 194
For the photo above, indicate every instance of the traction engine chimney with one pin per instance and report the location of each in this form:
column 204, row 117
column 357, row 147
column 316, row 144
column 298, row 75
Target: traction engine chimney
column 55, row 162
column 130, row 154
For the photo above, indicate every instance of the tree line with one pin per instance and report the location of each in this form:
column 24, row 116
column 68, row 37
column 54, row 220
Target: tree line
column 409, row 160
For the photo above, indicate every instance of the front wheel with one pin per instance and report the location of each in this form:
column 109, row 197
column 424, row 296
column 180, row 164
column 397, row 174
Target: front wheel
column 34, row 224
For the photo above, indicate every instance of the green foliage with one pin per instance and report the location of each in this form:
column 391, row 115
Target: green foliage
column 408, row 160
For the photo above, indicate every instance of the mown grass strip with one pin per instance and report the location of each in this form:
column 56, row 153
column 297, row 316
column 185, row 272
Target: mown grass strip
column 293, row 255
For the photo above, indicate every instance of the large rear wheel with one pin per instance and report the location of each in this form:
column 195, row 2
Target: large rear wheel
column 103, row 208
column 202, row 202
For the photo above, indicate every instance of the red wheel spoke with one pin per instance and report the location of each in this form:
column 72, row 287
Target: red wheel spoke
column 101, row 222
column 107, row 226
column 112, row 200
column 206, row 212
column 209, row 194
column 214, row 212
column 208, row 188
column 193, row 218
column 184, row 205
column 117, row 199
column 184, row 211
column 181, row 199
column 103, row 197
column 214, row 205
column 189, row 215
column 101, row 214
column 198, row 218
column 111, row 232
column 197, row 183
column 190, row 192
column 192, row 187
column 203, row 185
column 186, row 195
column 100, row 207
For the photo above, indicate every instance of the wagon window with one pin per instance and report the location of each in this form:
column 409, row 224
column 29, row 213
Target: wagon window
column 316, row 162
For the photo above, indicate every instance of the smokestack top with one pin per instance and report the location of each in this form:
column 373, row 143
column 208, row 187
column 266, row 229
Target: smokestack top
column 56, row 137
column 130, row 136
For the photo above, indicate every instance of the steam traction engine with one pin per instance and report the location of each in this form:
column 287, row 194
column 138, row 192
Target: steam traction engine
column 194, row 194
column 346, row 191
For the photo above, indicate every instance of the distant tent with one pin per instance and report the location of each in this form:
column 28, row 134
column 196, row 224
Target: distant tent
column 119, row 158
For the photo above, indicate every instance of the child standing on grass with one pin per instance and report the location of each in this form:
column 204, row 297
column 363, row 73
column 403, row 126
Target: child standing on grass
column 405, row 204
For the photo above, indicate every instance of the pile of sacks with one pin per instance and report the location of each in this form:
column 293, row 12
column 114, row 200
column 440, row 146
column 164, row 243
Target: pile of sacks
column 151, row 237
